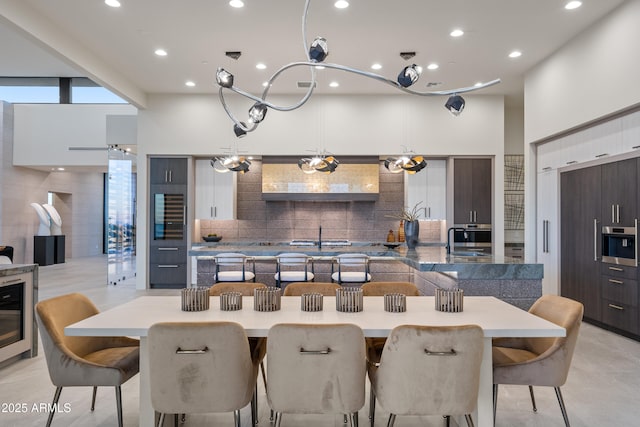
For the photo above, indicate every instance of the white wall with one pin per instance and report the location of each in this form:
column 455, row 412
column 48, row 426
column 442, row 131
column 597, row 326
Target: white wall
column 376, row 125
column 593, row 76
column 514, row 131
column 43, row 133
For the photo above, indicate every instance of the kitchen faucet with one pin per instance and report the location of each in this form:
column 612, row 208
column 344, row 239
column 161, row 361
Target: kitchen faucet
column 449, row 237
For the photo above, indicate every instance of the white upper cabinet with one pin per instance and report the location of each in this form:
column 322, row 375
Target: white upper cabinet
column 549, row 156
column 215, row 192
column 429, row 186
column 631, row 132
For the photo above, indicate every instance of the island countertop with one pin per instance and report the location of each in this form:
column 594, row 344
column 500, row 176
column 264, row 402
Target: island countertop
column 423, row 258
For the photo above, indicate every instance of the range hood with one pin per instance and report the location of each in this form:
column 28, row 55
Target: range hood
column 355, row 179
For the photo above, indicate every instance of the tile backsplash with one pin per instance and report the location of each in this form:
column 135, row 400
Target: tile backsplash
column 261, row 220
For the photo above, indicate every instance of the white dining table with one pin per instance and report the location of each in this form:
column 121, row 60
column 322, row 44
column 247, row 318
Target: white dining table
column 496, row 318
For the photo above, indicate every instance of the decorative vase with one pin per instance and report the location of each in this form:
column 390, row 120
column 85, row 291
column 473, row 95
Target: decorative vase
column 411, row 233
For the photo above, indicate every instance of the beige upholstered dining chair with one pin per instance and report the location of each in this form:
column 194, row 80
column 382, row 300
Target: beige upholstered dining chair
column 293, row 267
column 427, row 370
column 201, row 367
column 299, row 288
column 83, row 361
column 350, row 268
column 233, row 267
column 316, row 369
column 246, row 289
column 381, row 288
column 539, row 361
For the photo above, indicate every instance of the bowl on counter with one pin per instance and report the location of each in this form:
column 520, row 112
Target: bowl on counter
column 392, row 245
column 211, row 238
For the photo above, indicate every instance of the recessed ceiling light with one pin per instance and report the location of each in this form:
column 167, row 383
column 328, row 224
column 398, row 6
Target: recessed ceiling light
column 515, row 54
column 341, row 4
column 260, row 66
column 236, row 3
column 376, row 66
column 112, row 3
column 456, row 33
column 189, row 83
column 433, row 66
column 161, row 52
column 573, row 5
column 334, row 84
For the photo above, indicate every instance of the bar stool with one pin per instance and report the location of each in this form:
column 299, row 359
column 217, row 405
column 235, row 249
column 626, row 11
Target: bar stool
column 351, row 268
column 232, row 267
column 293, row 267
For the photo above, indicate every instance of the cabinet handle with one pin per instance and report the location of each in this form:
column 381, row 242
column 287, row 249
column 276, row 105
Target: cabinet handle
column 616, row 268
column 211, row 211
column 602, row 155
column 170, row 177
column 595, row 239
column 167, row 266
column 617, row 307
column 11, row 282
column 613, row 214
column 617, row 282
column 167, row 249
column 635, row 147
column 475, row 216
column 166, row 175
column 215, row 212
column 429, row 211
column 470, row 216
column 545, row 236
column 617, row 214
column 570, row 162
column 184, row 215
column 547, row 168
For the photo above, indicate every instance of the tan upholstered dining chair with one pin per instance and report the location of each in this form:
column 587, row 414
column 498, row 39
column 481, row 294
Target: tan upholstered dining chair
column 246, row 289
column 539, row 361
column 316, row 369
column 201, row 367
column 83, row 361
column 427, row 370
column 296, row 289
column 381, row 288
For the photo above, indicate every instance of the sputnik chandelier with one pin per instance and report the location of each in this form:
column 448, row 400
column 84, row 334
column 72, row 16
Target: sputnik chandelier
column 316, row 54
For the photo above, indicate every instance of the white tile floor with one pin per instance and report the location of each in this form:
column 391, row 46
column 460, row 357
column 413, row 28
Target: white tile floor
column 602, row 389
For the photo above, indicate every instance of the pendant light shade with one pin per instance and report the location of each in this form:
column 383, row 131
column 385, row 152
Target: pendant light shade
column 455, row 104
column 319, row 49
column 318, row 163
column 405, row 163
column 408, row 76
column 224, row 78
column 233, row 163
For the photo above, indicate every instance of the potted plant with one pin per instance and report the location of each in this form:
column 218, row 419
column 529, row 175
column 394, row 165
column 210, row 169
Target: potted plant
column 410, row 218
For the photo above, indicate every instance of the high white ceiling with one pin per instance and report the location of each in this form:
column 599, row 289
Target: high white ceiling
column 115, row 47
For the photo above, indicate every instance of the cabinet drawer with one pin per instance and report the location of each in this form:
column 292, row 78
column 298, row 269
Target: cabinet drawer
column 616, row 270
column 620, row 290
column 167, row 275
column 168, row 254
column 620, row 316
column 514, row 252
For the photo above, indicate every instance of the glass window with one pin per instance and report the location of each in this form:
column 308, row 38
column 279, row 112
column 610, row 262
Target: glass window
column 85, row 91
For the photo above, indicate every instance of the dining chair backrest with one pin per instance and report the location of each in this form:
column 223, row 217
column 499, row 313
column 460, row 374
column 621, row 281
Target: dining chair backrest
column 429, row 370
column 316, row 369
column 246, row 289
column 200, row 367
column 293, row 267
column 382, row 288
column 299, row 288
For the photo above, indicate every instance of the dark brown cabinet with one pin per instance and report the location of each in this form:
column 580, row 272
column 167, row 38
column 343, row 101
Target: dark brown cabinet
column 619, row 193
column 593, row 197
column 168, row 170
column 580, row 194
column 472, row 191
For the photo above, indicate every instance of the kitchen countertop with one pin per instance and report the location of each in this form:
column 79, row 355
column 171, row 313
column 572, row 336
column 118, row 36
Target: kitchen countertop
column 11, row 269
column 423, row 258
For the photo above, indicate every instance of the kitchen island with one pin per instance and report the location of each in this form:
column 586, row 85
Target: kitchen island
column 429, row 267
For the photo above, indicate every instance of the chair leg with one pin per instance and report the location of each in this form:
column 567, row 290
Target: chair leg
column 469, row 420
column 354, row 419
column 264, row 376
column 562, row 407
column 56, row 397
column 345, row 419
column 176, row 420
column 278, row 419
column 161, row 420
column 533, row 399
column 447, row 420
column 236, row 418
column 392, row 420
column 372, row 407
column 271, row 415
column 495, row 402
column 119, row 405
column 93, row 398
column 254, row 407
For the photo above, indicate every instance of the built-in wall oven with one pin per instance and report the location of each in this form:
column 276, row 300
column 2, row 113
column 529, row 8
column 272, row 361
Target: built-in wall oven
column 620, row 245
column 472, row 237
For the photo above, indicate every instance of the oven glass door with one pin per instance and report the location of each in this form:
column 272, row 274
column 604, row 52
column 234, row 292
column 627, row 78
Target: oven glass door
column 11, row 313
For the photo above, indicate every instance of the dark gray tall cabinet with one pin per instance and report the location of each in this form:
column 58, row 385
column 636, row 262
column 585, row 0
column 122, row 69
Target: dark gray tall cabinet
column 472, row 191
column 168, row 236
column 593, row 197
